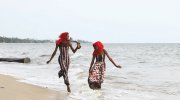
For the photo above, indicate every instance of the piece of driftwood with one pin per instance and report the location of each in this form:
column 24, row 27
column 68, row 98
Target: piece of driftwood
column 19, row 60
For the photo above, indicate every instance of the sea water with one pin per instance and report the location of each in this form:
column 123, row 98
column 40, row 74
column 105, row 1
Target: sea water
column 149, row 71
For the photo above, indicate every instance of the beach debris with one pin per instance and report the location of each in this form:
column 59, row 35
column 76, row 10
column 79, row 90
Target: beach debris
column 19, row 60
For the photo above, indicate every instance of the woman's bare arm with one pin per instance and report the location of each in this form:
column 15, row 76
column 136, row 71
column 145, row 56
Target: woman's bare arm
column 54, row 53
column 74, row 50
column 92, row 62
column 106, row 53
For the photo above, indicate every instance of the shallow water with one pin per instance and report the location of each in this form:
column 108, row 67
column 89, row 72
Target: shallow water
column 150, row 71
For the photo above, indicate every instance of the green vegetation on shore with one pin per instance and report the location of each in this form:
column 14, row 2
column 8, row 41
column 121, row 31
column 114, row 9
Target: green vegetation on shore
column 83, row 41
column 17, row 40
column 27, row 40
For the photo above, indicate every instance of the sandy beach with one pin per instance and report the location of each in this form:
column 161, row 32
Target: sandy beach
column 11, row 89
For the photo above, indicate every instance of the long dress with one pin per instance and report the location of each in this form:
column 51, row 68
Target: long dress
column 64, row 61
column 96, row 76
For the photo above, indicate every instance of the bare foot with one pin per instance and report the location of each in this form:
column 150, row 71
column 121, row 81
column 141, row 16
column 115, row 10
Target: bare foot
column 68, row 89
column 60, row 74
column 118, row 66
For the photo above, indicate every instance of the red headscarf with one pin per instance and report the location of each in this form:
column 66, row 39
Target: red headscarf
column 100, row 48
column 63, row 37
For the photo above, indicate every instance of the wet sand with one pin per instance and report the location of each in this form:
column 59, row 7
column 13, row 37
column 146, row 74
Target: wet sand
column 11, row 89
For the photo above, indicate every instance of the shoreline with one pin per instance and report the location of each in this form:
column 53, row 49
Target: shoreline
column 11, row 89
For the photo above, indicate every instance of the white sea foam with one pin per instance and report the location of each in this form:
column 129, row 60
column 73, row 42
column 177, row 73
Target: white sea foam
column 150, row 71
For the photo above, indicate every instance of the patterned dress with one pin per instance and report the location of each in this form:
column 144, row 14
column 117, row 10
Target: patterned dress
column 96, row 76
column 64, row 61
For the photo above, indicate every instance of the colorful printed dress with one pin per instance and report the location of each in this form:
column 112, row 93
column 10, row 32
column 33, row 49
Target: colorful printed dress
column 96, row 76
column 64, row 61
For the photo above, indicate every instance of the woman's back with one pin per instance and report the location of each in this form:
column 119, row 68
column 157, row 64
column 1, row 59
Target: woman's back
column 64, row 49
column 100, row 58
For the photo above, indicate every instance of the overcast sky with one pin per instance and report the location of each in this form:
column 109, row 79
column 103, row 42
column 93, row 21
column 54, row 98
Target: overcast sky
column 111, row 21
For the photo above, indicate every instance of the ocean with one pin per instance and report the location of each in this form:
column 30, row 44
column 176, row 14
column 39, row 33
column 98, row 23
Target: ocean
column 149, row 71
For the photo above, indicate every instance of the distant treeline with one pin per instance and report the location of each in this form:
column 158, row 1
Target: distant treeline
column 17, row 40
column 83, row 41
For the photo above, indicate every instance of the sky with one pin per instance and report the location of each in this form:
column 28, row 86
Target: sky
column 110, row 21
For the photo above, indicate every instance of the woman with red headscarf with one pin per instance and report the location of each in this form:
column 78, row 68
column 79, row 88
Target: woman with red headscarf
column 63, row 44
column 97, row 69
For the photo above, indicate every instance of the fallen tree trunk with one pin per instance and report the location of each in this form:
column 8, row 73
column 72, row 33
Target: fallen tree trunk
column 19, row 60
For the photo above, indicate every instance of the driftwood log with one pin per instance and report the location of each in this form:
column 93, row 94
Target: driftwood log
column 19, row 60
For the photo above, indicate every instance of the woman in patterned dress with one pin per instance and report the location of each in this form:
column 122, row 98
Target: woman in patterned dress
column 63, row 44
column 97, row 69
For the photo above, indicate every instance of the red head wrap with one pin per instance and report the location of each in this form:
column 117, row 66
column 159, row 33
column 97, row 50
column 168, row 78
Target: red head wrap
column 99, row 49
column 63, row 37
